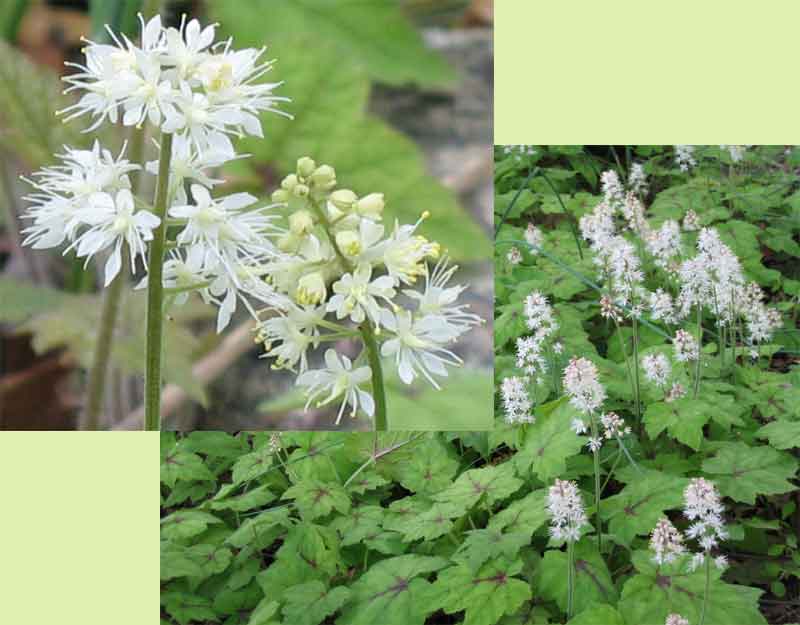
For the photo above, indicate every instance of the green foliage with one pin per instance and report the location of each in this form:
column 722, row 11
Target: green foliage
column 741, row 430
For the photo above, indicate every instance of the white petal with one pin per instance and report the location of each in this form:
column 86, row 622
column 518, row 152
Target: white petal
column 114, row 263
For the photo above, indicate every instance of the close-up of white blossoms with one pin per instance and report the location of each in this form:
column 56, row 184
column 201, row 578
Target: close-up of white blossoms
column 704, row 509
column 315, row 265
column 566, row 511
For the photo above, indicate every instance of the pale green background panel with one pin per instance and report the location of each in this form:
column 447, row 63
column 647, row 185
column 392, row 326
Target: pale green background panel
column 655, row 72
column 79, row 528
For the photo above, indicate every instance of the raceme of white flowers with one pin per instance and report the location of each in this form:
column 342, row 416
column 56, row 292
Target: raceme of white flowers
column 328, row 271
column 516, row 401
column 710, row 277
column 519, row 151
column 676, row 619
column 566, row 511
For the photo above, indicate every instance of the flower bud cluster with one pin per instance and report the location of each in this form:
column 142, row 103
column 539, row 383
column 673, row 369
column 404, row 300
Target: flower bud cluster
column 567, row 514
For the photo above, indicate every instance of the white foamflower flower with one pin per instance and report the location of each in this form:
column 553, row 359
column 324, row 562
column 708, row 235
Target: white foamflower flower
column 684, row 157
column 666, row 542
column 566, row 511
column 657, row 369
column 113, row 221
column 516, row 402
column 583, row 386
column 416, row 346
column 288, row 335
column 356, row 295
column 339, row 379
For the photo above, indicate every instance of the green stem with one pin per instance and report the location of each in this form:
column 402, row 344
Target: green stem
column 699, row 351
column 570, row 578
column 597, row 489
column 378, row 391
column 708, row 587
column 90, row 420
column 637, row 388
column 155, row 295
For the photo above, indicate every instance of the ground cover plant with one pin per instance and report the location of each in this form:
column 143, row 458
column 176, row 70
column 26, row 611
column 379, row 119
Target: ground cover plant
column 646, row 370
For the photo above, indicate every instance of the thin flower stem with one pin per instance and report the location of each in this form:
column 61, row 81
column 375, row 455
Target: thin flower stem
column 570, row 578
column 699, row 351
column 597, row 489
column 155, row 295
column 102, row 351
column 707, row 589
column 637, row 388
column 378, row 390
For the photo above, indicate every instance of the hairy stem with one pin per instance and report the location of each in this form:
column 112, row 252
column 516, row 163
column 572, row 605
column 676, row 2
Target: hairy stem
column 570, row 578
column 155, row 294
column 102, row 350
column 708, row 587
column 378, row 390
column 597, row 489
column 699, row 351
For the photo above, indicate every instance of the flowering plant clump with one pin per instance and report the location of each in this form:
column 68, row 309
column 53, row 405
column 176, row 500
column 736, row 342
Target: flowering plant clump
column 667, row 274
column 315, row 265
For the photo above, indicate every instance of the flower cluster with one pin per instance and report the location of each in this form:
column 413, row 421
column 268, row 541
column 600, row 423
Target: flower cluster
column 567, row 514
column 686, row 347
column 581, row 383
column 179, row 80
column 657, row 369
column 666, row 542
column 676, row 619
column 702, row 506
column 516, row 402
column 684, row 157
column 531, row 349
column 518, row 151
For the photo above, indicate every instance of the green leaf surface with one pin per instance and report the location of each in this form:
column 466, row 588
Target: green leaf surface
column 312, row 603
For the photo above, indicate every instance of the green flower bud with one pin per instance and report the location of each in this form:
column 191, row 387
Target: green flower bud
column 324, row 177
column 300, row 190
column 301, row 222
column 371, row 205
column 305, row 167
column 349, row 242
column 288, row 243
column 343, row 199
column 311, row 289
column 290, row 182
column 281, row 196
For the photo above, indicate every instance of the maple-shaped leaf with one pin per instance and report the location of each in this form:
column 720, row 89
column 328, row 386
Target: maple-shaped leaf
column 366, row 481
column 485, row 596
column 262, row 530
column 593, row 583
column 525, row 515
column 486, row 544
column 186, row 607
column 683, row 419
column 254, row 498
column 360, row 523
column 402, row 511
column 656, row 592
column 781, row 434
column 637, row 508
column 313, row 459
column 550, row 441
column 309, row 552
column 176, row 563
column 316, row 499
column 312, row 602
column 253, row 465
column 436, row 520
column 489, row 484
column 211, row 559
column 215, row 444
column 180, row 464
column 429, row 469
column 742, row 472
column 394, row 591
column 186, row 523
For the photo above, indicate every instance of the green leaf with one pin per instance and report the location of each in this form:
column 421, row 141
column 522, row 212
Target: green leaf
column 313, row 602
column 253, row 465
column 255, row 498
column 186, row 523
column 262, row 530
column 120, row 16
column 176, row 563
column 354, row 34
column 185, row 466
column 524, row 515
column 316, row 499
column 490, row 483
column 596, row 614
column 593, row 583
column 264, row 613
column 637, row 508
column 429, row 469
column 781, row 434
column 550, row 441
column 486, row 544
column 683, row 419
column 485, row 596
column 743, row 472
column 393, row 592
column 435, row 521
column 185, row 607
column 654, row 593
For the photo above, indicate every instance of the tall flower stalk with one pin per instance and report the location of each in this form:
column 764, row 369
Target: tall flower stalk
column 567, row 519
